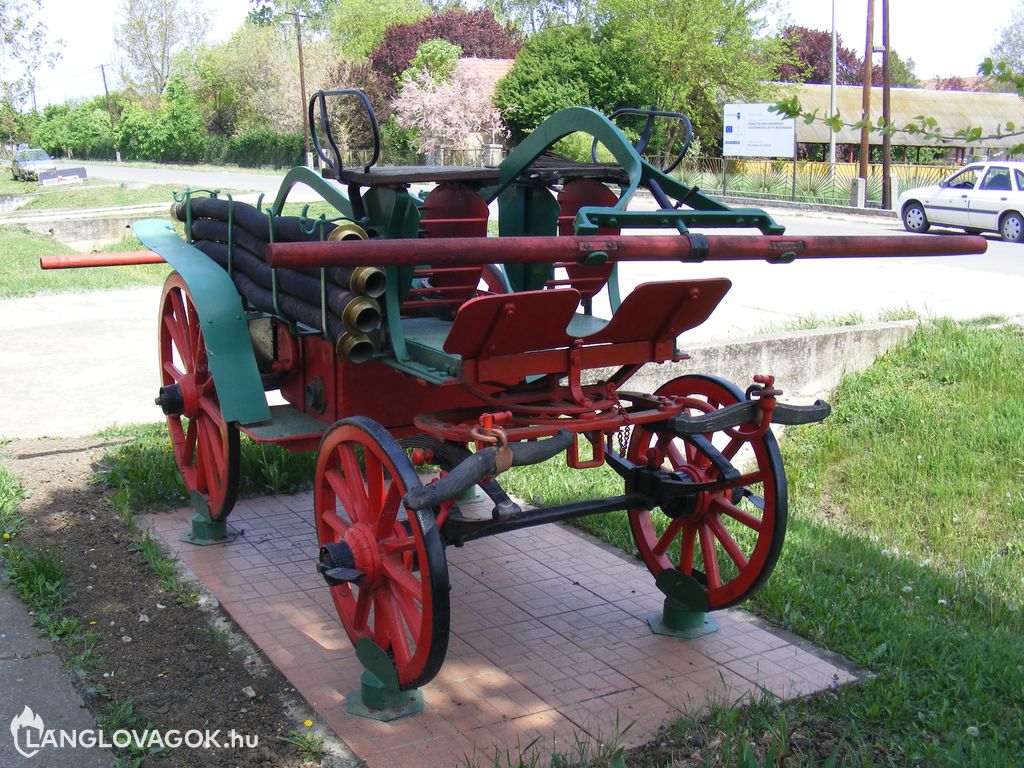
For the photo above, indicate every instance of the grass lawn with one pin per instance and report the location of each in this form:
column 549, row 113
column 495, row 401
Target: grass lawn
column 94, row 193
column 20, row 274
column 904, row 554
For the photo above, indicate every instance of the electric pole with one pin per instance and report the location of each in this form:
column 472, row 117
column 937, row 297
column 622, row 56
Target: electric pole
column 865, row 112
column 110, row 108
column 302, row 84
column 886, row 86
column 832, row 103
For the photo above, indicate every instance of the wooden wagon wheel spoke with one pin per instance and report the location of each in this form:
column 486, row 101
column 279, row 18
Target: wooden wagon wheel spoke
column 339, row 485
column 353, row 477
column 206, row 447
column 669, row 536
column 740, row 515
column 390, row 618
column 686, row 548
column 709, row 557
column 714, row 520
column 728, row 542
column 400, row 600
column 389, row 514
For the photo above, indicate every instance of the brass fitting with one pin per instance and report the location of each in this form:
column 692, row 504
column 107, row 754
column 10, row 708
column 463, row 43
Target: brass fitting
column 361, row 315
column 354, row 347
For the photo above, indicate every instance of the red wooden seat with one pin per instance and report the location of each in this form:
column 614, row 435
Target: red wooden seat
column 644, row 328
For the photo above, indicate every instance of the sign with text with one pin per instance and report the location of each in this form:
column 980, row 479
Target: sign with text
column 753, row 130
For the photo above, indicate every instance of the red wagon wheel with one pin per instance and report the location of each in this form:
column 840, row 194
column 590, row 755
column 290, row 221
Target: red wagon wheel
column 206, row 448
column 732, row 538
column 400, row 600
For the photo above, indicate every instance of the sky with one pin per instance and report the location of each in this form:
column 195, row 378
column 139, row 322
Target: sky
column 943, row 41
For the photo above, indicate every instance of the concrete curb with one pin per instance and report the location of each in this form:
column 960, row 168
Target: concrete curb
column 806, row 364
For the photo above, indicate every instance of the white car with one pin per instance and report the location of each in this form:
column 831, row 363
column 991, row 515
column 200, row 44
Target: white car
column 980, row 197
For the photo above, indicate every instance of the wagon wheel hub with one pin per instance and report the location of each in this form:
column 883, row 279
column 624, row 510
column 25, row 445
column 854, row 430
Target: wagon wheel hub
column 366, row 551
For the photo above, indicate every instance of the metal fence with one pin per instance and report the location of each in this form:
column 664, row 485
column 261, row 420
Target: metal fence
column 804, row 181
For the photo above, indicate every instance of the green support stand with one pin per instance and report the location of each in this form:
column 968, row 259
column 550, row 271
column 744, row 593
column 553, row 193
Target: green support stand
column 379, row 697
column 685, row 611
column 206, row 532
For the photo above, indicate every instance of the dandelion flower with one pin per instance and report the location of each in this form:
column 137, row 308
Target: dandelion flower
column 308, row 723
column 972, row 731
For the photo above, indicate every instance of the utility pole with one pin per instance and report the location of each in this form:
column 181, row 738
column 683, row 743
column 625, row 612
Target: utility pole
column 886, row 118
column 302, row 85
column 110, row 108
column 832, row 104
column 865, row 112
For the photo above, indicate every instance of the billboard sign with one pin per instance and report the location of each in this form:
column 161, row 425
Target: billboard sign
column 753, row 130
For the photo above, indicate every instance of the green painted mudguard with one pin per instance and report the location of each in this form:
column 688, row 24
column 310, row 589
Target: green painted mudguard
column 225, row 330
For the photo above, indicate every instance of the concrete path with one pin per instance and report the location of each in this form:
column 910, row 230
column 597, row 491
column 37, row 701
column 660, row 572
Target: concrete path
column 31, row 676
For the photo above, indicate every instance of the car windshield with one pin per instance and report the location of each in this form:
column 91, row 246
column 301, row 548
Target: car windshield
column 30, row 155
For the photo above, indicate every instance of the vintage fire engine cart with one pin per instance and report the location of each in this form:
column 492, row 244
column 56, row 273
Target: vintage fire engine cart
column 400, row 333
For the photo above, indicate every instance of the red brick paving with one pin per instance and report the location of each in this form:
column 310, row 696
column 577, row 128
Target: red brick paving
column 549, row 646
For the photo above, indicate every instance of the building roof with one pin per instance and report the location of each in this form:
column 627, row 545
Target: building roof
column 489, row 70
column 953, row 111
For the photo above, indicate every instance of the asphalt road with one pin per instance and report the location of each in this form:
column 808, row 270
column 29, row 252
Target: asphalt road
column 77, row 363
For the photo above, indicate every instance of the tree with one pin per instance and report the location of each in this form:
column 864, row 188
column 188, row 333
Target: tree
column 152, row 32
column 901, row 72
column 445, row 114
column 24, row 47
column 532, row 16
column 265, row 13
column 252, row 81
column 569, row 67
column 477, row 32
column 700, row 53
column 1009, row 49
column 359, row 26
column 810, row 59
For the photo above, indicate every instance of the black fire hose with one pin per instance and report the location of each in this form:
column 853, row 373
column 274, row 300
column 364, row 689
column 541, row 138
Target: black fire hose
column 287, row 229
column 472, row 470
column 360, row 314
column 368, row 281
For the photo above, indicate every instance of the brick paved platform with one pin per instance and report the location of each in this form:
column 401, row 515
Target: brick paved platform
column 549, row 639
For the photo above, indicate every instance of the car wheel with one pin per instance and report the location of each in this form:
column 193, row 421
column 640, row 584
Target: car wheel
column 1011, row 228
column 914, row 219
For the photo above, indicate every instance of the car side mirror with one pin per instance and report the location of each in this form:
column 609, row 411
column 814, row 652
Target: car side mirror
column 943, row 184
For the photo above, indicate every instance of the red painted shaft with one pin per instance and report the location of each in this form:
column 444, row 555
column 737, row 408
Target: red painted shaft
column 82, row 260
column 454, row 251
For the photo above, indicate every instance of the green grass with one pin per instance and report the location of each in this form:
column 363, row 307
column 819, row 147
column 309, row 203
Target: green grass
column 904, row 554
column 812, row 322
column 97, row 195
column 143, row 475
column 20, row 274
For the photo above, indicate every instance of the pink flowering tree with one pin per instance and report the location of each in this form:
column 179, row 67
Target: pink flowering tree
column 452, row 113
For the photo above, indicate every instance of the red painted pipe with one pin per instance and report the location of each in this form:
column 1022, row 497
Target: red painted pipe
column 82, row 260
column 455, row 251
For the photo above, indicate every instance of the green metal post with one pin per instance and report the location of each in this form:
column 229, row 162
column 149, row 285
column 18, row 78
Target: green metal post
column 684, row 613
column 379, row 696
column 205, row 531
